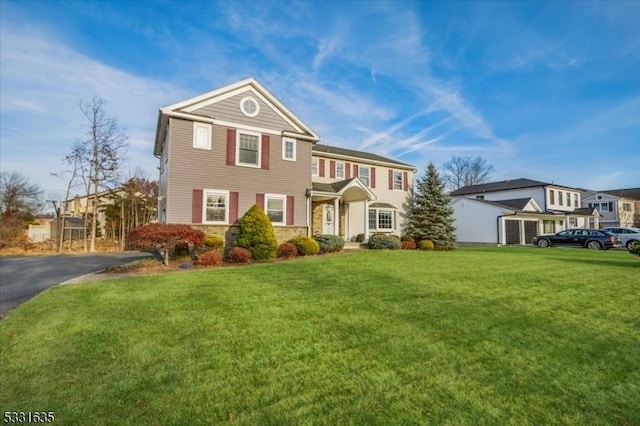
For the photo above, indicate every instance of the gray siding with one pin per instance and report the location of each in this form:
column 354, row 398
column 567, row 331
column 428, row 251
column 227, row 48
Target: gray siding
column 229, row 110
column 191, row 168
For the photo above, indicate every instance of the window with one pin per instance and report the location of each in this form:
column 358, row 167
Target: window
column 314, row 167
column 560, row 197
column 363, row 174
column 249, row 106
column 340, row 169
column 276, row 206
column 602, row 207
column 576, row 200
column 569, row 199
column 549, row 226
column 626, row 207
column 381, row 220
column 552, row 196
column 248, row 149
column 289, row 149
column 201, row 135
column 215, row 206
column 479, row 197
column 573, row 222
column 397, row 181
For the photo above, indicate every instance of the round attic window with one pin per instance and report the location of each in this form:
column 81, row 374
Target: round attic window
column 249, row 106
column 599, row 197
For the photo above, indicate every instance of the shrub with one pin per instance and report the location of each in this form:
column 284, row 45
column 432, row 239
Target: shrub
column 181, row 250
column 210, row 259
column 408, row 245
column 407, row 238
column 214, row 243
column 163, row 238
column 256, row 234
column 359, row 238
column 306, row 246
column 287, row 251
column 239, row 255
column 635, row 249
column 390, row 242
column 329, row 243
column 425, row 245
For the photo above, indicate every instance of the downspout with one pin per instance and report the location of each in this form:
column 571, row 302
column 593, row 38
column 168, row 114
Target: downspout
column 308, row 215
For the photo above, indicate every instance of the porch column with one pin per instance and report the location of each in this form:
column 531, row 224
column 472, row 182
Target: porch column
column 336, row 215
column 366, row 221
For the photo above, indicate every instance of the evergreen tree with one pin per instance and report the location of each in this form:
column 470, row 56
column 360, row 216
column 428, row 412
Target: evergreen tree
column 432, row 215
column 256, row 234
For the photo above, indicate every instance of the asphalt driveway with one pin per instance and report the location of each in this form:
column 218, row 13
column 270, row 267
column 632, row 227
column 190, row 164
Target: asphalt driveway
column 22, row 278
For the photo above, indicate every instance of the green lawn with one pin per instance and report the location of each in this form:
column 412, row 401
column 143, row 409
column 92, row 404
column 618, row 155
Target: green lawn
column 474, row 336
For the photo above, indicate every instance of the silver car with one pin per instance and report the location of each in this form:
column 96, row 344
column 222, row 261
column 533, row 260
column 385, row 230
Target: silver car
column 629, row 236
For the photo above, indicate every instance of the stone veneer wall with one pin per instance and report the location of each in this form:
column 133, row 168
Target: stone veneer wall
column 229, row 233
column 316, row 217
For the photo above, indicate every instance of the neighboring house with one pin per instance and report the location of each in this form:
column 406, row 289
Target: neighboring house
column 614, row 210
column 514, row 211
column 228, row 149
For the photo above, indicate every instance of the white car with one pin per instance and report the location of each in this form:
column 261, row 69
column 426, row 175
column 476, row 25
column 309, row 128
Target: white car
column 629, row 236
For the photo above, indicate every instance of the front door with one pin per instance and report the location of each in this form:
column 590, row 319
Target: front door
column 328, row 219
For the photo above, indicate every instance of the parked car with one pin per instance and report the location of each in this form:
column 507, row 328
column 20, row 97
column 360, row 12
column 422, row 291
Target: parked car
column 629, row 236
column 594, row 239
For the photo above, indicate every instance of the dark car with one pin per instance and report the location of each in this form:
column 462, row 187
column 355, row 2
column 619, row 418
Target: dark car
column 594, row 239
column 629, row 236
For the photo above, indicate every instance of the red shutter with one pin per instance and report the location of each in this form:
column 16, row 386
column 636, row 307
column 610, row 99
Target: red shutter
column 332, row 169
column 231, row 147
column 347, row 168
column 233, row 207
column 390, row 179
column 265, row 152
column 373, row 177
column 355, row 170
column 321, row 166
column 196, row 206
column 260, row 200
column 290, row 209
column 405, row 180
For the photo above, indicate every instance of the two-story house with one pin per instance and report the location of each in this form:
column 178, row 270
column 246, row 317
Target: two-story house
column 514, row 211
column 226, row 150
column 614, row 210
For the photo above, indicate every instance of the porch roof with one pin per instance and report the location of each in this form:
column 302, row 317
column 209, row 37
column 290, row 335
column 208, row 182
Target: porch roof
column 382, row 206
column 345, row 189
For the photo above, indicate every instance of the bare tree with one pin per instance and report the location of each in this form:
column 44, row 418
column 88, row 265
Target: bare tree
column 466, row 171
column 74, row 170
column 97, row 159
column 18, row 196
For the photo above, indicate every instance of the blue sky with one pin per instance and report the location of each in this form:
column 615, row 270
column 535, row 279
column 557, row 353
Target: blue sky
column 543, row 90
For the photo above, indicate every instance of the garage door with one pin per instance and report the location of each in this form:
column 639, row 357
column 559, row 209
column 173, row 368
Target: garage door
column 512, row 229
column 530, row 230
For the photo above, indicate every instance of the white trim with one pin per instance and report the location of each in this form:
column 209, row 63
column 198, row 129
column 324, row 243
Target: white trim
column 259, row 136
column 193, row 117
column 360, row 160
column 248, row 113
column 378, row 210
column 249, row 84
column 226, row 206
column 245, row 127
column 284, row 148
column 317, row 162
column 284, row 207
column 205, row 126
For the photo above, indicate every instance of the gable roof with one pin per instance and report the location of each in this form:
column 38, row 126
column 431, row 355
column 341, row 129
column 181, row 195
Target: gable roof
column 633, row 193
column 503, row 186
column 344, row 153
column 188, row 109
column 514, row 204
column 342, row 186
